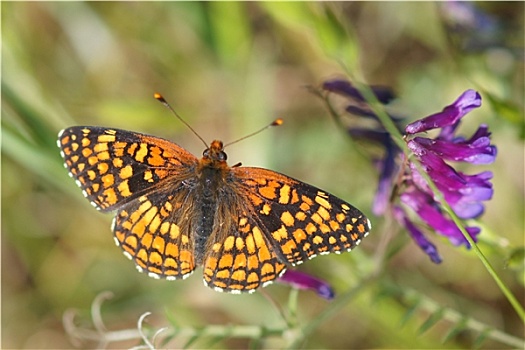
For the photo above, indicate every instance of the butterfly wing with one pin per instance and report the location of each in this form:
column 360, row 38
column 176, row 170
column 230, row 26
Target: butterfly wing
column 239, row 257
column 114, row 167
column 282, row 222
column 143, row 178
column 153, row 231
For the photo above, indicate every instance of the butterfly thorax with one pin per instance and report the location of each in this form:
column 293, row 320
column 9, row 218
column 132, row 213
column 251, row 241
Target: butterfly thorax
column 212, row 185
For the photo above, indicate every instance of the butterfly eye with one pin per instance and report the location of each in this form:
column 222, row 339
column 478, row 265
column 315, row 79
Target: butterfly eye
column 214, row 155
column 221, row 156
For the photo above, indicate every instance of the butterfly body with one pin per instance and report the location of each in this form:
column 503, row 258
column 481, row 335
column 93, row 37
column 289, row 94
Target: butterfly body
column 175, row 212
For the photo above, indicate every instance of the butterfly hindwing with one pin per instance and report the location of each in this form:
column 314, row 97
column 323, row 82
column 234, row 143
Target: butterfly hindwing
column 240, row 258
column 154, row 232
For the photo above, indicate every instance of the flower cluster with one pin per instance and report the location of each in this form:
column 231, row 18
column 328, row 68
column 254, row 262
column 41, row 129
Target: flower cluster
column 401, row 185
column 464, row 193
column 387, row 166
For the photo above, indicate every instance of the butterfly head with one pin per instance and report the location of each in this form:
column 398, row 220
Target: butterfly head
column 215, row 154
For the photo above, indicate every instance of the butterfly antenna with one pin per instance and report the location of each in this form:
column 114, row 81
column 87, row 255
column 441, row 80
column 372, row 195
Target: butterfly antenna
column 276, row 122
column 165, row 103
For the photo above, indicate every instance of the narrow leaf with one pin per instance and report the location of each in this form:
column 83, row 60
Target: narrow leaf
column 432, row 320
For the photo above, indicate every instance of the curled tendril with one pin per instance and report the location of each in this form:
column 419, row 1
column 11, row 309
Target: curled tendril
column 100, row 334
column 147, row 343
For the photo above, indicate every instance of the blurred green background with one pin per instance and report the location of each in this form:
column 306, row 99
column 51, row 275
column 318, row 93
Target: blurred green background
column 230, row 68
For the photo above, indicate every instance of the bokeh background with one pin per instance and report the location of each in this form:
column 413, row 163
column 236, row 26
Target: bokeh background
column 229, row 69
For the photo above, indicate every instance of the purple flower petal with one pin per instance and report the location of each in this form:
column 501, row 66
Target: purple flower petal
column 366, row 113
column 418, row 236
column 428, row 210
column 343, row 87
column 483, row 131
column 456, row 237
column 378, row 136
column 448, row 179
column 301, row 280
column 478, row 186
column 388, row 169
column 468, row 210
column 361, row 112
column 463, row 197
column 437, row 169
column 450, row 115
column 448, row 133
column 466, row 202
column 475, row 151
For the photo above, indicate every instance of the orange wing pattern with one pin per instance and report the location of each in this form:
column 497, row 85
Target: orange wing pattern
column 113, row 167
column 301, row 220
column 154, row 232
column 280, row 221
column 141, row 176
column 240, row 257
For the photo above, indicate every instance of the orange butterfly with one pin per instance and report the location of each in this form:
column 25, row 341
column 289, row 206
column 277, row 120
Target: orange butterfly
column 175, row 212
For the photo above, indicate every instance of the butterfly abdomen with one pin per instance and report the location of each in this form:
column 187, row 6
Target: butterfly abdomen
column 210, row 180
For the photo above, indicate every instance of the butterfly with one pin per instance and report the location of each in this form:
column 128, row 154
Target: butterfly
column 174, row 212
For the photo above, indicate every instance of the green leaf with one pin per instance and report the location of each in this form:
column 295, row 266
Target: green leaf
column 409, row 313
column 455, row 330
column 431, row 321
column 481, row 338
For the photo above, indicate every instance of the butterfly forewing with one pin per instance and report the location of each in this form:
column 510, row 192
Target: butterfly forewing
column 299, row 220
column 114, row 166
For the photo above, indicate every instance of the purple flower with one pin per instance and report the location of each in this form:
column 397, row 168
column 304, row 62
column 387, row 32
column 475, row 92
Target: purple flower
column 430, row 212
column 477, row 150
column 417, row 235
column 464, row 193
column 388, row 168
column 301, row 280
column 343, row 87
column 450, row 115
